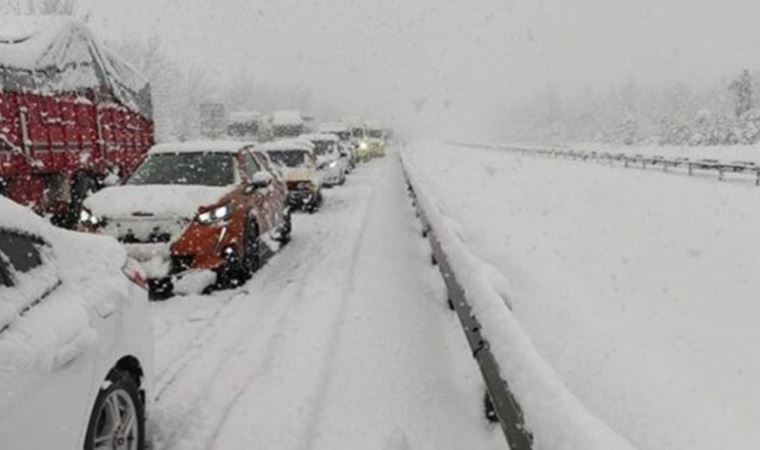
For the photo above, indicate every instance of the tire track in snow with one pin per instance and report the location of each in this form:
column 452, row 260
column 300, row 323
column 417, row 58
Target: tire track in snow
column 228, row 349
column 327, row 368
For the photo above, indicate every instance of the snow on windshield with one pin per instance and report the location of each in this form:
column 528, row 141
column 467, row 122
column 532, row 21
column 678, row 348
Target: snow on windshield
column 203, row 169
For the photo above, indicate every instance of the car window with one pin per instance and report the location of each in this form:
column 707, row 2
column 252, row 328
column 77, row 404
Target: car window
column 20, row 251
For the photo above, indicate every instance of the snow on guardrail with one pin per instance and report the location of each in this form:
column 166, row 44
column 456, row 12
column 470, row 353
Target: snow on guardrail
column 548, row 415
column 641, row 161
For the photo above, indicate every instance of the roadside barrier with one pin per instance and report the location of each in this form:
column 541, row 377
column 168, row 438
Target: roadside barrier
column 690, row 166
column 524, row 395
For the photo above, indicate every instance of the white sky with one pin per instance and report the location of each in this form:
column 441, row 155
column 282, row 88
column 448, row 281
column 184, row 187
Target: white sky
column 472, row 55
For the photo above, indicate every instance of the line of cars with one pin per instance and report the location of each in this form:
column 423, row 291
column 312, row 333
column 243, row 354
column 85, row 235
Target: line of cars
column 75, row 336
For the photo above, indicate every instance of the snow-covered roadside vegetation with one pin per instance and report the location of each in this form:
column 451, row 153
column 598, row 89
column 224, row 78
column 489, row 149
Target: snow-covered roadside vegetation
column 726, row 112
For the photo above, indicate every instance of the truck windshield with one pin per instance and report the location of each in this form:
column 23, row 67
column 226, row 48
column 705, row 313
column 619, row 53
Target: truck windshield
column 201, row 169
column 288, row 158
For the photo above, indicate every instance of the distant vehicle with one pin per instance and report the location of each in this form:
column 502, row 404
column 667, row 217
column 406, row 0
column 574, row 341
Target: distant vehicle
column 299, row 165
column 75, row 338
column 375, row 138
column 332, row 165
column 194, row 207
column 245, row 125
column 287, row 124
column 343, row 131
column 73, row 116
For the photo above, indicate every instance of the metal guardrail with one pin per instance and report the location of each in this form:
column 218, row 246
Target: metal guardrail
column 639, row 161
column 503, row 404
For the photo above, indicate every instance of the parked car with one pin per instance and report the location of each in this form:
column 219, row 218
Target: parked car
column 75, row 338
column 332, row 165
column 299, row 165
column 72, row 115
column 194, row 207
column 343, row 131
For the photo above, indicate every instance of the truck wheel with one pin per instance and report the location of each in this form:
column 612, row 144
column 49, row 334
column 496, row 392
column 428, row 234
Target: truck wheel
column 118, row 417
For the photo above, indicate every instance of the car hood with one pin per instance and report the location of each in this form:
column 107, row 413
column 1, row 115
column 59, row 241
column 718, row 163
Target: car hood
column 297, row 174
column 161, row 201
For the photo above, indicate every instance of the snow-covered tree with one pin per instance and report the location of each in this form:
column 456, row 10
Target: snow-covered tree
column 742, row 88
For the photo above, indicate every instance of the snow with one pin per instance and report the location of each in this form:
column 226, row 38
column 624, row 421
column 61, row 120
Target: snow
column 244, row 116
column 199, row 147
column 287, row 118
column 628, row 289
column 286, row 145
column 86, row 272
column 341, row 341
column 162, row 201
column 316, row 137
column 724, row 153
column 334, row 127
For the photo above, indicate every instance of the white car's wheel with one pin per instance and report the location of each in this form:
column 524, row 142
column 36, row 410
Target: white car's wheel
column 117, row 421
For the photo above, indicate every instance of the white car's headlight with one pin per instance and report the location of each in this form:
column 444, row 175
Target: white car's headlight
column 215, row 215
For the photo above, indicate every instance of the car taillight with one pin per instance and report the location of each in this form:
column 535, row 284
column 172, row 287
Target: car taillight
column 135, row 273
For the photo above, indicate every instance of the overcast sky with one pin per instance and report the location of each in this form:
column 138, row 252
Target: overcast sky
column 438, row 60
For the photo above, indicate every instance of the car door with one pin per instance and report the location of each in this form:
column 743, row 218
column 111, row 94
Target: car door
column 46, row 386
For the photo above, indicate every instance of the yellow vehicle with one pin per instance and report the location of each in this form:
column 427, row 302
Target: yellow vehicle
column 359, row 137
column 375, row 139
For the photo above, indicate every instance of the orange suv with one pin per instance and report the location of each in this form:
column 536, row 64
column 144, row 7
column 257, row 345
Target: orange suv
column 211, row 208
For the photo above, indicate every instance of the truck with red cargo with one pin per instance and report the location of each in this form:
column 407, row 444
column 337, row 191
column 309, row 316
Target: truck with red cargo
column 73, row 115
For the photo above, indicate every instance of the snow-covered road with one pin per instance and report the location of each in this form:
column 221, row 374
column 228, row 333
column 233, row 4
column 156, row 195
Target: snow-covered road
column 342, row 341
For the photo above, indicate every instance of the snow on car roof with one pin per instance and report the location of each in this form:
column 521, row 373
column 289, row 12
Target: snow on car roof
column 314, row 137
column 244, row 116
column 15, row 217
column 286, row 145
column 334, row 127
column 199, row 147
column 285, row 118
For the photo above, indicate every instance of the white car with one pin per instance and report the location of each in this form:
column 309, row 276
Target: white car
column 332, row 165
column 76, row 349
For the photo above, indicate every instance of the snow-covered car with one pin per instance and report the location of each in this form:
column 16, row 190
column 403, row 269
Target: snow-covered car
column 206, row 209
column 75, row 338
column 298, row 163
column 346, row 144
column 332, row 165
